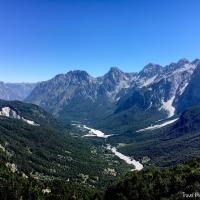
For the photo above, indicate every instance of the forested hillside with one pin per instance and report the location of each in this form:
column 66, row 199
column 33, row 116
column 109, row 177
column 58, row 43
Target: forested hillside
column 164, row 146
column 48, row 151
column 152, row 184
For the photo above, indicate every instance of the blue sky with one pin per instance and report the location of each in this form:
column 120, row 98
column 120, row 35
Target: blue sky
column 42, row 38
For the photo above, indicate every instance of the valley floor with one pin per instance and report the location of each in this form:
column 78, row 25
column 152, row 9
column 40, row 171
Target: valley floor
column 97, row 133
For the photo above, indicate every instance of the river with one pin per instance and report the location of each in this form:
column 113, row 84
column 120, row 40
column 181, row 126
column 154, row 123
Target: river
column 97, row 133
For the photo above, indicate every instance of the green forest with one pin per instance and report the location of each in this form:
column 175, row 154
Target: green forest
column 149, row 184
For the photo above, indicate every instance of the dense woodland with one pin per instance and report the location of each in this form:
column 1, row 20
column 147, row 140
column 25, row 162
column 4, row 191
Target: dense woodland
column 152, row 184
column 149, row 184
column 34, row 157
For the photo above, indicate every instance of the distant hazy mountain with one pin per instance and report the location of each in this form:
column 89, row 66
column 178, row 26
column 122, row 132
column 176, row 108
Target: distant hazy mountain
column 15, row 91
column 119, row 98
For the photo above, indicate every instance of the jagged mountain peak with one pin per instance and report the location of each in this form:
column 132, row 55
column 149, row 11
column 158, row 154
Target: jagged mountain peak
column 115, row 70
column 177, row 65
column 59, row 76
column 72, row 75
column 196, row 61
column 150, row 70
column 76, row 73
column 183, row 61
column 152, row 66
column 115, row 75
column 79, row 75
column 180, row 65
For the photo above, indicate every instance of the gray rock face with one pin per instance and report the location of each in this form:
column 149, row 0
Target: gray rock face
column 191, row 95
column 158, row 88
column 75, row 86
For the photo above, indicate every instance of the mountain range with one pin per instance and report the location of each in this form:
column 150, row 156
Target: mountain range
column 118, row 101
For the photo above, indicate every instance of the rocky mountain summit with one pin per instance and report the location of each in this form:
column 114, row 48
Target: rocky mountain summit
column 79, row 96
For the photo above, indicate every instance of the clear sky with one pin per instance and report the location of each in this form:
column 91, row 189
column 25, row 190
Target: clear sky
column 42, row 38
